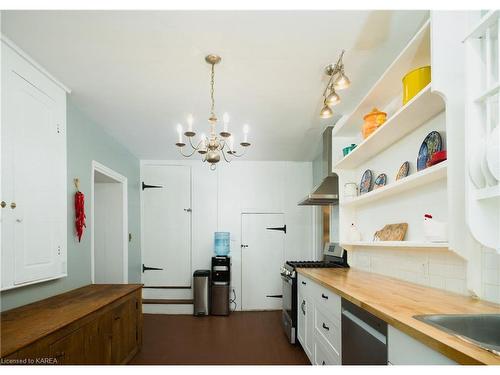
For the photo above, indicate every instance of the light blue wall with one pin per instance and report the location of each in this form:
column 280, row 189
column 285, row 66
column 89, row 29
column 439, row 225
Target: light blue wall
column 86, row 141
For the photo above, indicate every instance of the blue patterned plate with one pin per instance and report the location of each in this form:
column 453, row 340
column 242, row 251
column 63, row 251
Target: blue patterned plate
column 434, row 143
column 380, row 181
column 366, row 182
column 422, row 157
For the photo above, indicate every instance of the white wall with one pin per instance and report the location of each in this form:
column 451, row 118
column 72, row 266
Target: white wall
column 219, row 197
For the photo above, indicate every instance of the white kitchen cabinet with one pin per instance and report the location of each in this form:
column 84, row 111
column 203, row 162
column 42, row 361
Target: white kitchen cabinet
column 319, row 322
column 33, row 179
column 405, row 350
column 305, row 316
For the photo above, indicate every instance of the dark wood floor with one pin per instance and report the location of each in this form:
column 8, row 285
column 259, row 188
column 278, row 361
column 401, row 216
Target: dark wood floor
column 243, row 338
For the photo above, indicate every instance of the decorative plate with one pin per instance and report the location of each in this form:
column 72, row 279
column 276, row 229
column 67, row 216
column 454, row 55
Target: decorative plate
column 380, row 181
column 423, row 155
column 431, row 144
column 493, row 152
column 434, row 143
column 403, row 170
column 366, row 182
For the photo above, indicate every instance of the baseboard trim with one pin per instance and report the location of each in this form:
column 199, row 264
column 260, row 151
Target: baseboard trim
column 167, row 301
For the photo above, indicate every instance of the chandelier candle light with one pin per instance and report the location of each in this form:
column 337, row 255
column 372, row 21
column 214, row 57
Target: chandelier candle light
column 211, row 147
column 338, row 81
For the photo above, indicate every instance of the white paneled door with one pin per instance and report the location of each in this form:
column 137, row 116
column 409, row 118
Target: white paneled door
column 33, row 182
column 166, row 223
column 262, row 255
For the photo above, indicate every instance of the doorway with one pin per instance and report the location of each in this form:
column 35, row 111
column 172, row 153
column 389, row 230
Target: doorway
column 262, row 255
column 109, row 226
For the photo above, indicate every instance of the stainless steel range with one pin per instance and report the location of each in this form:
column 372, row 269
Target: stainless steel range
column 334, row 256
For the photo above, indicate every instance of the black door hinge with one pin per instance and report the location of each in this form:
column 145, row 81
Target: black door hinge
column 283, row 228
column 146, row 186
column 146, row 268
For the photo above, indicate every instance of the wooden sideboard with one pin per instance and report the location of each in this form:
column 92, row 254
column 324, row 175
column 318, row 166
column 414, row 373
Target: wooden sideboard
column 94, row 324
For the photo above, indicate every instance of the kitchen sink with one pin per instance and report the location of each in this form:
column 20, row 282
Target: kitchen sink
column 482, row 330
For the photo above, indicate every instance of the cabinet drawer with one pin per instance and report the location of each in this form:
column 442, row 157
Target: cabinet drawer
column 328, row 326
column 324, row 354
column 327, row 300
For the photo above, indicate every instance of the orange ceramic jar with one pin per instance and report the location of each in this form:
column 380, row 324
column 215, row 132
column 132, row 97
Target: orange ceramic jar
column 373, row 120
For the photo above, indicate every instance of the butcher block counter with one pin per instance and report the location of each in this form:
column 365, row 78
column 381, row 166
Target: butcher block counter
column 94, row 324
column 396, row 302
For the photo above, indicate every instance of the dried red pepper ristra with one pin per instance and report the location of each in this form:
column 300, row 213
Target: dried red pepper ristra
column 79, row 214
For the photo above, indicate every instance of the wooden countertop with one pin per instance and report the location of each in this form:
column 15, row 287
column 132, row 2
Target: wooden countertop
column 26, row 324
column 396, row 302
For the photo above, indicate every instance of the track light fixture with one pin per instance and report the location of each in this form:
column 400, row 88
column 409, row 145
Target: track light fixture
column 338, row 81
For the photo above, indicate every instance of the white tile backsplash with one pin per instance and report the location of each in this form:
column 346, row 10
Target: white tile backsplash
column 436, row 269
column 443, row 269
column 490, row 262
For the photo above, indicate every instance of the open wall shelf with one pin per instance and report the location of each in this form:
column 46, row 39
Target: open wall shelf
column 413, row 181
column 424, row 106
column 389, row 86
column 396, row 244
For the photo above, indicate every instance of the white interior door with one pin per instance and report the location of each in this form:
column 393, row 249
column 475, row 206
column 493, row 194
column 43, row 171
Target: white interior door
column 262, row 255
column 39, row 152
column 109, row 238
column 166, row 225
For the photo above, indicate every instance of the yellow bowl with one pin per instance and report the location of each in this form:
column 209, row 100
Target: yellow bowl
column 415, row 81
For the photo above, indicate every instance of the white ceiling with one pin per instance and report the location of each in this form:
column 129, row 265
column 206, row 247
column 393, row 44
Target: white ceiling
column 139, row 73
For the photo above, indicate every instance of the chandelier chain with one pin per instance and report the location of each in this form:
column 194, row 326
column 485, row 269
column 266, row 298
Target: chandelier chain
column 212, row 84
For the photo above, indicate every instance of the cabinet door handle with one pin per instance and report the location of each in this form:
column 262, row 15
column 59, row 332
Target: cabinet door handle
column 13, row 205
column 326, row 327
column 59, row 354
column 117, row 318
column 323, row 363
column 302, row 307
column 3, row 204
column 325, row 297
column 304, row 283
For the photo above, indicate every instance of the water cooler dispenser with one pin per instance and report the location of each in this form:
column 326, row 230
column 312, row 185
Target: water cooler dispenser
column 221, row 275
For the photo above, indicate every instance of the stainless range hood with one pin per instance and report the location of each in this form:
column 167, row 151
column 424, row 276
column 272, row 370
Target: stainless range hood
column 327, row 192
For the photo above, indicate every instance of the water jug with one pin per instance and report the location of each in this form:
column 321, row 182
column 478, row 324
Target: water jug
column 221, row 243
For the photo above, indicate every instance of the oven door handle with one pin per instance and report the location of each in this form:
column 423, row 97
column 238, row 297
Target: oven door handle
column 287, row 279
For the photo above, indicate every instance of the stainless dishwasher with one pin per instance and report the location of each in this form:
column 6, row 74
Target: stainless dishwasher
column 364, row 337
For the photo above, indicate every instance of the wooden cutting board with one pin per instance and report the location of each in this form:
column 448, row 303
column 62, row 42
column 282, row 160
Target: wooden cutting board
column 391, row 232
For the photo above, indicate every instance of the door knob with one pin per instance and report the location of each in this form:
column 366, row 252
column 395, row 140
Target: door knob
column 3, row 204
column 13, row 205
column 187, row 210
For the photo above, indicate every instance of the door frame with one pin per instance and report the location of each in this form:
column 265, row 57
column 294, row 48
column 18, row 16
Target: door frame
column 98, row 167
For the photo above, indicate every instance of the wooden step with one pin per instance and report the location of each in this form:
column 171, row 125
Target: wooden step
column 167, row 301
column 165, row 287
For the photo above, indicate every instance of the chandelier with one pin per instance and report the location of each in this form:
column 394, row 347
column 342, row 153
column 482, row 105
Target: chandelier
column 213, row 146
column 338, row 81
